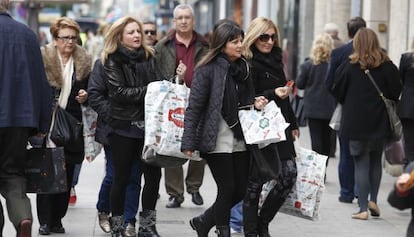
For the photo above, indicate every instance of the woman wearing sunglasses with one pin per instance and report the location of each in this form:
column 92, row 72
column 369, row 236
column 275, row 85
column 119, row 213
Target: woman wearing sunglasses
column 262, row 49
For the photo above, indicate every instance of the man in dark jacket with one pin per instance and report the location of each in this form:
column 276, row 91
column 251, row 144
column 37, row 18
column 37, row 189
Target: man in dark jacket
column 178, row 54
column 346, row 163
column 25, row 110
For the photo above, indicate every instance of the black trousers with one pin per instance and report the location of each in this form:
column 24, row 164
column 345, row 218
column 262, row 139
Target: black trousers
column 152, row 177
column 274, row 201
column 124, row 151
column 51, row 208
column 408, row 130
column 230, row 172
column 13, row 143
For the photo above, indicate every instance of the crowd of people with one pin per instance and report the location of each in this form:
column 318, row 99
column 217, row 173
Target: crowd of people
column 230, row 71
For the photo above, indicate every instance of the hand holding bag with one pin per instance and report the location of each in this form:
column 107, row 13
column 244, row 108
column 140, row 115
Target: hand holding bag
column 391, row 107
column 89, row 119
column 66, row 130
column 265, row 126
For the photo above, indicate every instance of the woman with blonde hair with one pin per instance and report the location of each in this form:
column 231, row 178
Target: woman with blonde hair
column 67, row 67
column 126, row 58
column 262, row 49
column 364, row 117
column 319, row 103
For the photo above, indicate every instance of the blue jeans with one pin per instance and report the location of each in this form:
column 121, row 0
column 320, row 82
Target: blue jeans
column 132, row 192
column 76, row 174
column 236, row 217
column 346, row 171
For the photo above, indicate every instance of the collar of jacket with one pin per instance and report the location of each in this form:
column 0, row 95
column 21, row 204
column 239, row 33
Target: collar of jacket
column 171, row 35
column 82, row 63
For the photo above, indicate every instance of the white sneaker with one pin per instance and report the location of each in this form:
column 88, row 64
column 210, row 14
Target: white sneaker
column 235, row 232
column 130, row 230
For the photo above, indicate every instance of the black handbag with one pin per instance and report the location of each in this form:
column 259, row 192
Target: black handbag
column 391, row 107
column 267, row 160
column 67, row 131
column 45, row 170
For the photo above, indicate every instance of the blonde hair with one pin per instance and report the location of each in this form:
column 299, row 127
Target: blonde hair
column 113, row 37
column 257, row 27
column 4, row 5
column 63, row 23
column 321, row 48
column 367, row 50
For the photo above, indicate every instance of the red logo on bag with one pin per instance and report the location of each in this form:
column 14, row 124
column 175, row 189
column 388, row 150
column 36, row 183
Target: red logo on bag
column 177, row 116
column 298, row 205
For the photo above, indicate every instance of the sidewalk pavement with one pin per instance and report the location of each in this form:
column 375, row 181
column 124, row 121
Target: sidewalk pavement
column 81, row 219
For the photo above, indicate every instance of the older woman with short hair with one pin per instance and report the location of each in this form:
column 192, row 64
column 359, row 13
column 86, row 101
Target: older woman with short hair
column 67, row 68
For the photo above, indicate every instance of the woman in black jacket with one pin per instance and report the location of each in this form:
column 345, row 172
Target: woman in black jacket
column 221, row 86
column 262, row 48
column 406, row 105
column 125, row 58
column 364, row 117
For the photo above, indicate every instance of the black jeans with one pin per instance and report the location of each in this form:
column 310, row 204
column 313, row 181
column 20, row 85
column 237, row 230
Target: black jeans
column 124, row 151
column 230, row 172
column 152, row 177
column 274, row 201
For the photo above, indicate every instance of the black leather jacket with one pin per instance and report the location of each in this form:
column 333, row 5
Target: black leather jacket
column 128, row 74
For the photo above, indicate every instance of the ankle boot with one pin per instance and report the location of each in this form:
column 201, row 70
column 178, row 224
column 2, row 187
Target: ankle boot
column 203, row 223
column 223, row 231
column 264, row 230
column 147, row 221
column 117, row 226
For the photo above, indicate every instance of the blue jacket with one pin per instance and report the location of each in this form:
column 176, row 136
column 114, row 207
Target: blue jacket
column 25, row 94
column 338, row 56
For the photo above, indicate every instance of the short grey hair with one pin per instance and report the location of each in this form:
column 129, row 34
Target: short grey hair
column 181, row 7
column 4, row 5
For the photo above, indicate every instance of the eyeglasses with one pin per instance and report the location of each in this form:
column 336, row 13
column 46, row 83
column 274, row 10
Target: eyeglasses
column 150, row 32
column 266, row 37
column 67, row 38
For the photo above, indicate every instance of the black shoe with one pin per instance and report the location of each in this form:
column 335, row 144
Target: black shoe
column 197, row 198
column 44, row 230
column 173, row 203
column 57, row 229
column 344, row 200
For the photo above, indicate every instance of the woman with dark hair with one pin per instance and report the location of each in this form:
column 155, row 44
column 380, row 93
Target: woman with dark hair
column 221, row 86
column 262, row 49
column 364, row 117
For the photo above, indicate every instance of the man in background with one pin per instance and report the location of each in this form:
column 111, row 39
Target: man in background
column 25, row 110
column 150, row 33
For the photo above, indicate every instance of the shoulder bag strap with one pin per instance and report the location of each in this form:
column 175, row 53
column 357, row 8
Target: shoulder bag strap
column 374, row 83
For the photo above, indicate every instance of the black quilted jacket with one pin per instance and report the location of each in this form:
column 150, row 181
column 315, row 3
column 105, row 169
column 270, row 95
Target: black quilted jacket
column 202, row 116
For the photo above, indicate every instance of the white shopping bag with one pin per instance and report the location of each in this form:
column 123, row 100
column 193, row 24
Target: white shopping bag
column 265, row 126
column 92, row 148
column 305, row 197
column 165, row 104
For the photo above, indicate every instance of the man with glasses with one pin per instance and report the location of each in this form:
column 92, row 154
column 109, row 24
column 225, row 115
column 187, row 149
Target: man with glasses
column 150, row 33
column 25, row 109
column 176, row 55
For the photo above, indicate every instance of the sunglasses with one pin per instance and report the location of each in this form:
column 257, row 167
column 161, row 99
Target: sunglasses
column 266, row 37
column 150, row 32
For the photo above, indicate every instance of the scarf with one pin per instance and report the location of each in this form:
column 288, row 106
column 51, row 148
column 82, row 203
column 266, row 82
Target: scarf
column 234, row 91
column 67, row 74
column 271, row 63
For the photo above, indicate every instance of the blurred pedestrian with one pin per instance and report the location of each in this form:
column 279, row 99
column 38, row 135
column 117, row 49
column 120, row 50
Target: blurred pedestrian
column 25, row 109
column 333, row 30
column 262, row 49
column 213, row 107
column 67, row 68
column 406, row 105
column 98, row 100
column 319, row 104
column 364, row 117
column 402, row 195
column 346, row 163
column 177, row 54
column 150, row 32
column 125, row 58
